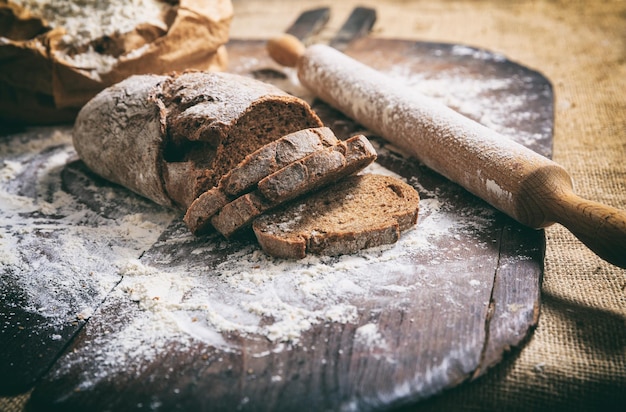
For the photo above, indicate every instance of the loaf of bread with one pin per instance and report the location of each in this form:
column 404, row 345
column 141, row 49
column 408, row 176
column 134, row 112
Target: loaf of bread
column 171, row 138
column 358, row 212
column 57, row 54
column 228, row 149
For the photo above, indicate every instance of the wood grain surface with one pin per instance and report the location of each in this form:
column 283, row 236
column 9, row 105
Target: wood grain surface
column 436, row 317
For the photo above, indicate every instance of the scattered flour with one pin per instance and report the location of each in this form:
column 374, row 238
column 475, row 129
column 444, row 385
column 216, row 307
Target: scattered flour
column 254, row 296
column 462, row 50
column 259, row 296
column 61, row 257
column 242, row 292
column 369, row 336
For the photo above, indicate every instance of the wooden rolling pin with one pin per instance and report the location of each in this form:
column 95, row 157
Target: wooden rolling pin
column 529, row 187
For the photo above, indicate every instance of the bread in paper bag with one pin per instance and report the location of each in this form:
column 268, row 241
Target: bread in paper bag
column 57, row 54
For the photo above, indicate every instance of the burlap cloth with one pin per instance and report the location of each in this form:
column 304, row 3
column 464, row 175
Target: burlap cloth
column 576, row 358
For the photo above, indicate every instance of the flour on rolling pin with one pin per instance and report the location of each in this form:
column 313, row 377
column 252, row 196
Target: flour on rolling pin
column 389, row 108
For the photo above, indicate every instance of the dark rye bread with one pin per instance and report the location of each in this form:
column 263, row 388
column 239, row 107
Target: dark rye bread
column 318, row 169
column 356, row 213
column 170, row 138
column 253, row 168
column 275, row 156
column 303, row 176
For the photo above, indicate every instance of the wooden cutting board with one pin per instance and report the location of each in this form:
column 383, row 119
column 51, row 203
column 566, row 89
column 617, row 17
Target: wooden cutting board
column 168, row 321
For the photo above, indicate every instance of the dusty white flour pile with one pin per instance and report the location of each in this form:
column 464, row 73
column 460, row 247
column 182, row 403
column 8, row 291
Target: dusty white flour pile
column 61, row 257
column 189, row 301
column 250, row 287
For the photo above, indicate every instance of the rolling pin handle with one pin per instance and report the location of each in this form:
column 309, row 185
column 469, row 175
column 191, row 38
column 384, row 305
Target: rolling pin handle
column 285, row 50
column 602, row 228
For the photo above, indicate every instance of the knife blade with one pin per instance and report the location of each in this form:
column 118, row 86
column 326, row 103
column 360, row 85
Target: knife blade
column 309, row 23
column 358, row 24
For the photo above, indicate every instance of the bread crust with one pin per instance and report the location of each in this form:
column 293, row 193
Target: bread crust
column 274, row 156
column 121, row 138
column 318, row 169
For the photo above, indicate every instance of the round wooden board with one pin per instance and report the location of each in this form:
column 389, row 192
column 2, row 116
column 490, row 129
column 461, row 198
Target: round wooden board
column 204, row 324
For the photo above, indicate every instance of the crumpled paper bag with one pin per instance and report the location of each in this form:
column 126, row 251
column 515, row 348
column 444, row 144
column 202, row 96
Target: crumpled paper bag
column 40, row 85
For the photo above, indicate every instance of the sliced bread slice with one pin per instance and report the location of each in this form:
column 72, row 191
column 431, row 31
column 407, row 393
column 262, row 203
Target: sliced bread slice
column 356, row 213
column 306, row 175
column 253, row 168
column 199, row 213
column 318, row 169
column 275, row 156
